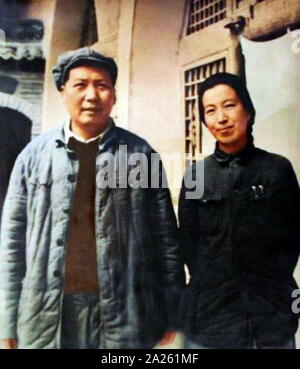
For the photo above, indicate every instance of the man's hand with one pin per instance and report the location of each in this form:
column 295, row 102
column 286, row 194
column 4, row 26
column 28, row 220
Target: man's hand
column 167, row 338
column 10, row 343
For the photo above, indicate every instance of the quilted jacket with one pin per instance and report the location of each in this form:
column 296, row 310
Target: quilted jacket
column 139, row 268
column 241, row 242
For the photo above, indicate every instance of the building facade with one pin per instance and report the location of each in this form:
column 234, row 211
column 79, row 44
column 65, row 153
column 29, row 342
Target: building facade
column 164, row 49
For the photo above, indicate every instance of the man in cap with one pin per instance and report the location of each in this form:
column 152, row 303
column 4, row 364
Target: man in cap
column 88, row 256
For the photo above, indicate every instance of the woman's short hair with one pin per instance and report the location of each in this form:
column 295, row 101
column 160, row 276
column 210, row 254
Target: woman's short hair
column 235, row 82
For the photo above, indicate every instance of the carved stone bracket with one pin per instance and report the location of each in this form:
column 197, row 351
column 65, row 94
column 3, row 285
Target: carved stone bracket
column 18, row 51
column 22, row 30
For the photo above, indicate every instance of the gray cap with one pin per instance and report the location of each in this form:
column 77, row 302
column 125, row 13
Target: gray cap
column 83, row 56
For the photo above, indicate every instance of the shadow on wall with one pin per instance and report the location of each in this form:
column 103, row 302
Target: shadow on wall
column 15, row 133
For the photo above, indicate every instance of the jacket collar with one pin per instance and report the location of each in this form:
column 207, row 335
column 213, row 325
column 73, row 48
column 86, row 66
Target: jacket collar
column 243, row 156
column 109, row 136
column 68, row 133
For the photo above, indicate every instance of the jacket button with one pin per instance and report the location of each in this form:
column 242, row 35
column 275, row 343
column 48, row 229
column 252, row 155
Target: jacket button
column 60, row 242
column 72, row 155
column 56, row 273
column 71, row 178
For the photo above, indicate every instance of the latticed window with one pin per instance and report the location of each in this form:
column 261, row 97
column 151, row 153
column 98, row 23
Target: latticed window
column 203, row 13
column 192, row 79
column 89, row 33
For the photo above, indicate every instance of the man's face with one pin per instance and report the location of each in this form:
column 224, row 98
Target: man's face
column 89, row 96
column 226, row 117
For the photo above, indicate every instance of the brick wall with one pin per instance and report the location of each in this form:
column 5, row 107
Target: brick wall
column 30, row 89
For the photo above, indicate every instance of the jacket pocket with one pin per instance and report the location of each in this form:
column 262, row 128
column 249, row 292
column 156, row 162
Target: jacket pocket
column 210, row 213
column 39, row 199
column 38, row 184
column 263, row 202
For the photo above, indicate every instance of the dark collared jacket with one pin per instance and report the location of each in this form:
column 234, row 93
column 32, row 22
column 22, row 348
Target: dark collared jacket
column 139, row 268
column 241, row 241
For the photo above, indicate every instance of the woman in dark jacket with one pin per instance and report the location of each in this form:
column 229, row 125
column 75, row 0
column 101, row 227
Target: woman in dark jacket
column 240, row 239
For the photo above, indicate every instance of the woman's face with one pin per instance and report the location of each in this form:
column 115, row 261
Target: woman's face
column 226, row 117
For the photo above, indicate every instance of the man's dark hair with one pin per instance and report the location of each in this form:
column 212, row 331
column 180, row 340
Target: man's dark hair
column 235, row 82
